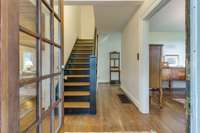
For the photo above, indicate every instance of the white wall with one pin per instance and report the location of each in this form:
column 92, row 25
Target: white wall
column 174, row 43
column 130, row 65
column 71, row 28
column 134, row 71
column 87, row 22
column 108, row 42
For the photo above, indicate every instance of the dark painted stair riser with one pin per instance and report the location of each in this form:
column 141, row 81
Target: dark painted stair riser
column 77, row 98
column 77, row 80
column 78, row 88
column 82, row 72
column 75, row 111
column 77, row 70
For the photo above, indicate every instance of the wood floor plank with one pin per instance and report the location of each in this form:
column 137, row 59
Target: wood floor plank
column 113, row 116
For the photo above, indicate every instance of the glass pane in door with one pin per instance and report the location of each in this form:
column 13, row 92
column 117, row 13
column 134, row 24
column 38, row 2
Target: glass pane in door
column 46, row 128
column 27, row 54
column 27, row 14
column 28, row 95
column 40, row 64
column 57, row 31
column 46, row 97
column 57, row 117
column 57, row 7
column 57, row 60
column 45, row 17
column 46, row 58
column 57, row 96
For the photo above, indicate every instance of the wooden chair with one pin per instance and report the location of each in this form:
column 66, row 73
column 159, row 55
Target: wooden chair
column 164, row 75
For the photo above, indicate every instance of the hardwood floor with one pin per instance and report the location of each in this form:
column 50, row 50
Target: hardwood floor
column 112, row 115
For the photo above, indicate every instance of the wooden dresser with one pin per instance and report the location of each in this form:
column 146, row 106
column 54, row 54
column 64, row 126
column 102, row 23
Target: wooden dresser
column 173, row 74
column 155, row 56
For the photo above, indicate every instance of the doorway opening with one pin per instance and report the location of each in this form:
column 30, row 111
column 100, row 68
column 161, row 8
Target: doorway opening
column 163, row 45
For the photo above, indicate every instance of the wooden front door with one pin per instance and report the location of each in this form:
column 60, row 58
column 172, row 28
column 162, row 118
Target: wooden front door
column 31, row 56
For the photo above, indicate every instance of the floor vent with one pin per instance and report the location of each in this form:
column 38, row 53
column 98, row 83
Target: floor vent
column 123, row 98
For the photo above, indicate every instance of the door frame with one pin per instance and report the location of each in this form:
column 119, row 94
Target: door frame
column 9, row 64
column 194, row 60
column 144, row 62
column 155, row 6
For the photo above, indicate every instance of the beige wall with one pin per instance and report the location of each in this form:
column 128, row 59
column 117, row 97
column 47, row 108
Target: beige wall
column 71, row 28
column 78, row 23
column 87, row 22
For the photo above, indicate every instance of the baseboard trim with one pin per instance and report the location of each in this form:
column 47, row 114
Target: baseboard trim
column 133, row 99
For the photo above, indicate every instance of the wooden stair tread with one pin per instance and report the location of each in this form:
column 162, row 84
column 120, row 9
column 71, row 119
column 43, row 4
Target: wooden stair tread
column 77, row 76
column 76, row 105
column 79, row 69
column 77, row 84
column 83, row 45
column 76, row 93
column 82, row 49
column 81, row 53
column 81, row 39
column 79, row 58
column 79, row 63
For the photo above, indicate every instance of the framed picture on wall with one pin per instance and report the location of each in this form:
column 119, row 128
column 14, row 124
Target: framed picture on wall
column 172, row 60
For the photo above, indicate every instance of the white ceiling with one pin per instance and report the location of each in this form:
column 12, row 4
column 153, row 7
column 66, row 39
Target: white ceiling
column 110, row 16
column 113, row 18
column 171, row 18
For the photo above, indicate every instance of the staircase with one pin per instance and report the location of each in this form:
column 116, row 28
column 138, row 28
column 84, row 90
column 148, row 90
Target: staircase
column 80, row 79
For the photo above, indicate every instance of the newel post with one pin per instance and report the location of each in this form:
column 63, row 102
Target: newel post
column 93, row 80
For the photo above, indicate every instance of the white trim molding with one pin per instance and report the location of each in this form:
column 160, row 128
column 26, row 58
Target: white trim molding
column 155, row 6
column 195, row 65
